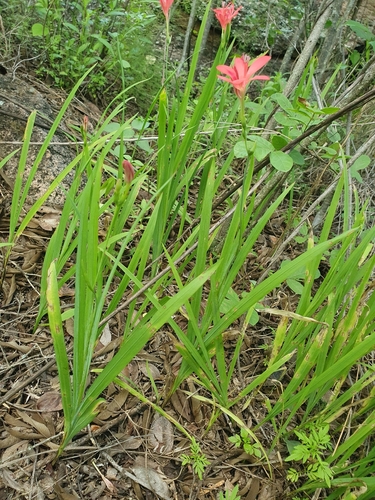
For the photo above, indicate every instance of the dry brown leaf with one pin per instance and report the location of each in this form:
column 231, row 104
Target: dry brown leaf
column 46, row 483
column 8, row 441
column 62, row 494
column 130, row 371
column 23, row 433
column 10, row 288
column 30, row 258
column 253, row 489
column 14, row 452
column 14, row 422
column 49, row 401
column 66, row 291
column 49, row 221
column 196, row 405
column 151, row 480
column 39, row 426
column 126, row 442
column 161, row 437
column 69, row 326
column 10, row 481
column 118, row 401
column 106, row 336
column 112, row 474
column 268, row 490
column 110, row 486
column 150, row 370
column 115, row 406
column 33, row 224
column 19, row 347
column 181, row 404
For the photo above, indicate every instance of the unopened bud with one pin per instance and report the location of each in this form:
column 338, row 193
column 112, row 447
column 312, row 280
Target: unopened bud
column 85, row 123
column 128, row 171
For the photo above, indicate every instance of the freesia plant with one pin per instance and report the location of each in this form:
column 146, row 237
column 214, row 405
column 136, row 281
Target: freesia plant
column 163, row 244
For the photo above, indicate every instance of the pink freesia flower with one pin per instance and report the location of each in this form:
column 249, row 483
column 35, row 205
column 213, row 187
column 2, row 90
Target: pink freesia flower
column 166, row 5
column 128, row 171
column 241, row 74
column 225, row 14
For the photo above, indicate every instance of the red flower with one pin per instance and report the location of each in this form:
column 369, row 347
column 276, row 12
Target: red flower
column 241, row 74
column 166, row 5
column 128, row 171
column 225, row 14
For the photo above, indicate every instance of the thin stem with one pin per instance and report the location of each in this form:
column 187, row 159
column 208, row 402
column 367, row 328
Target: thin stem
column 166, row 47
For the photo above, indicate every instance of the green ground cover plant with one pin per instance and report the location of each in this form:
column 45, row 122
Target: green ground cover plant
column 172, row 260
column 65, row 39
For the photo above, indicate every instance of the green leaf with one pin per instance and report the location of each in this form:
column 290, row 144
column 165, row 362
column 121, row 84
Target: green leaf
column 145, row 146
column 361, row 30
column 282, row 101
column 295, row 285
column 278, row 141
column 281, row 161
column 39, row 29
column 296, row 156
column 360, row 163
column 240, row 150
column 291, row 444
column 112, row 127
column 236, row 440
column 133, row 344
column 139, row 124
column 330, row 110
column 57, row 332
column 231, row 300
column 262, row 146
column 71, row 26
column 282, row 119
column 254, row 318
column 259, row 145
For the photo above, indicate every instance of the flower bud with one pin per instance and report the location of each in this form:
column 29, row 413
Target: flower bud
column 128, row 171
column 85, row 123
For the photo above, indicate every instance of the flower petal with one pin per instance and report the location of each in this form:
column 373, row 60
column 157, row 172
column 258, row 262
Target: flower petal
column 260, row 77
column 258, row 64
column 224, row 79
column 227, row 70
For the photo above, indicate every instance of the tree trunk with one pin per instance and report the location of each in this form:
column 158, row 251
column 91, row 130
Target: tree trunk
column 294, row 45
column 302, row 61
column 186, row 50
column 327, row 51
column 205, row 38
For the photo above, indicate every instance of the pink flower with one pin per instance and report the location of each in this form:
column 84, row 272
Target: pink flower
column 241, row 74
column 128, row 171
column 166, row 5
column 225, row 14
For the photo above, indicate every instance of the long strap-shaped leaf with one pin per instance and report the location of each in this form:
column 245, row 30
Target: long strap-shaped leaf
column 129, row 348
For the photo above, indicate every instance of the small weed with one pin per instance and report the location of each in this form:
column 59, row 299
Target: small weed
column 244, row 440
column 311, row 448
column 196, row 458
column 230, row 495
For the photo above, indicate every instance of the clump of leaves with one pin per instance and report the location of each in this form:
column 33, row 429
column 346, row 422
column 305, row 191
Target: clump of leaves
column 244, row 440
column 197, row 459
column 230, row 495
column 310, row 448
